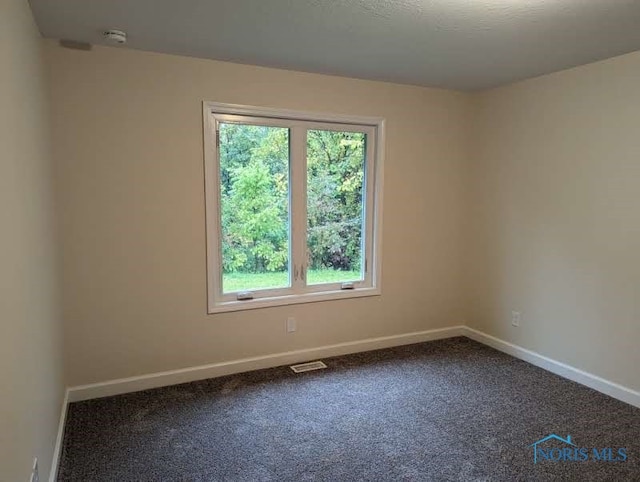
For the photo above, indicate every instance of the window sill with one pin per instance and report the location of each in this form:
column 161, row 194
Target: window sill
column 227, row 306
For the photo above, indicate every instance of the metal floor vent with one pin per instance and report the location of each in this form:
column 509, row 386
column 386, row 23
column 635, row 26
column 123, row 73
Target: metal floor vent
column 307, row 367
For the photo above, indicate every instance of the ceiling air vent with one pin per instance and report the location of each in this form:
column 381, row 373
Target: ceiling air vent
column 307, row 367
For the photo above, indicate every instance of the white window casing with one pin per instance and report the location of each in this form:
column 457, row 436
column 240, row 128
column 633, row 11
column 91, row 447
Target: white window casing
column 298, row 123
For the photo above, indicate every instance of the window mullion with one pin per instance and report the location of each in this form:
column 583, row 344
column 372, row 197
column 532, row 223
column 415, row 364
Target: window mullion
column 298, row 193
column 369, row 195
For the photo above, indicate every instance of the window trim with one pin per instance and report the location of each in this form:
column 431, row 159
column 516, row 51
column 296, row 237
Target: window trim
column 219, row 302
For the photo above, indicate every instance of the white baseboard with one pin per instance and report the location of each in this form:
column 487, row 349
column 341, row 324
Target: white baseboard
column 599, row 384
column 53, row 474
column 154, row 380
column 173, row 377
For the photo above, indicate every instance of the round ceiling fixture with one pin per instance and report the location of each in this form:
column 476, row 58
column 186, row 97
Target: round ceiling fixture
column 115, row 36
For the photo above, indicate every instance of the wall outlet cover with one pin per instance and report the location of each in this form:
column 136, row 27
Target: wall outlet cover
column 515, row 318
column 291, row 324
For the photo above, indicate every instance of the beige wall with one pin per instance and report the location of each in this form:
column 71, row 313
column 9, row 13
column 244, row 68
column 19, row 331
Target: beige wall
column 30, row 359
column 521, row 198
column 556, row 216
column 129, row 156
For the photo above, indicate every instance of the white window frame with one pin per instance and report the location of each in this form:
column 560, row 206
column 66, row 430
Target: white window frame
column 298, row 122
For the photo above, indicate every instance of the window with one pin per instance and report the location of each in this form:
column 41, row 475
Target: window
column 293, row 206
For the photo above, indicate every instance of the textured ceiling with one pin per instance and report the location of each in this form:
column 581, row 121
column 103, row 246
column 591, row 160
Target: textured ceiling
column 457, row 44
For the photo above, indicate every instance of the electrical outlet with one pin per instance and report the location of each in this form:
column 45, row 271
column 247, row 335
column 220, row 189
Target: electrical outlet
column 515, row 318
column 34, row 471
column 291, row 324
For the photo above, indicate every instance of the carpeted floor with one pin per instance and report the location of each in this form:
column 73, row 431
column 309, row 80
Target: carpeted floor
column 445, row 410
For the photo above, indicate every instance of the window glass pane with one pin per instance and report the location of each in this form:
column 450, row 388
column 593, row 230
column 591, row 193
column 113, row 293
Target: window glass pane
column 254, row 194
column 335, row 179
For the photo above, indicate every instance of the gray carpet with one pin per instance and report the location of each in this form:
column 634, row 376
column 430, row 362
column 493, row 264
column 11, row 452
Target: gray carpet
column 445, row 410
